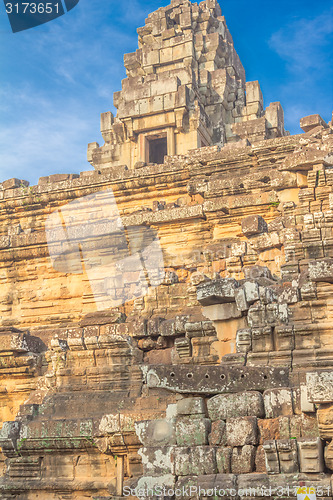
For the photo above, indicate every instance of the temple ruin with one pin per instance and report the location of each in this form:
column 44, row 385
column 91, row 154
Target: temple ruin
column 166, row 317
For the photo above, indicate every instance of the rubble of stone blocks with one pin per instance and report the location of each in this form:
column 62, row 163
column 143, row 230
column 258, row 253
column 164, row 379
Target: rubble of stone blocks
column 186, row 86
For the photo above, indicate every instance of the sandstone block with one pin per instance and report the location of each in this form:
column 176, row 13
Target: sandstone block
column 253, row 92
column 312, row 121
column 14, row 183
column 183, row 347
column 152, row 483
column 240, row 299
column 253, row 224
column 191, row 406
column 271, row 457
column 274, row 428
column 262, row 338
column 242, row 431
column 222, row 312
column 192, row 431
column 325, row 422
column 260, row 463
column 223, row 459
column 217, row 291
column 329, row 455
column 243, row 340
column 173, row 327
column 224, row 481
column 284, row 338
column 221, row 379
column 187, row 485
column 194, row 461
column 288, row 458
column 321, row 270
column 278, row 402
column 218, row 434
column 306, row 405
column 254, row 272
column 320, row 387
column 310, row 452
column 243, row 459
column 303, row 160
column 242, row 404
column 251, row 290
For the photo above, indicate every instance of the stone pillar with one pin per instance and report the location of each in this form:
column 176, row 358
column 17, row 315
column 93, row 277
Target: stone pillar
column 120, row 474
column 171, row 141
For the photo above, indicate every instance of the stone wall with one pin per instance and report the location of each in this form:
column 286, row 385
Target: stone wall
column 217, row 377
column 165, row 328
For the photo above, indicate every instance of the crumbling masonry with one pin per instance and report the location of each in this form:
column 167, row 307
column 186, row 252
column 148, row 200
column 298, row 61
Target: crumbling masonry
column 217, row 375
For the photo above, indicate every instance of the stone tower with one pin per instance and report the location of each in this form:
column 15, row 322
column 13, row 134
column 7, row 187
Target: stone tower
column 185, row 89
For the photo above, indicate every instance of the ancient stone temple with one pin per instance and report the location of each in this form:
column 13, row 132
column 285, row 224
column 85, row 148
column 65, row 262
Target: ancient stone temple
column 166, row 317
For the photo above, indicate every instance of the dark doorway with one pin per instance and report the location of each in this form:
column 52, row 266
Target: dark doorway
column 158, row 149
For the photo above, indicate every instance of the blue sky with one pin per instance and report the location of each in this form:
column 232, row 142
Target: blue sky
column 56, row 79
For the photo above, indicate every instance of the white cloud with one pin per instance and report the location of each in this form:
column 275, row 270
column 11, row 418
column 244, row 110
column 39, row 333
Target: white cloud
column 48, row 141
column 63, row 76
column 305, row 44
column 51, row 110
column 306, row 47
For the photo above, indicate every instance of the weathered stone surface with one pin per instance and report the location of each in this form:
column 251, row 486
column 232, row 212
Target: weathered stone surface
column 271, row 457
column 217, row 292
column 222, row 312
column 157, row 461
column 243, row 404
column 273, row 428
column 303, row 159
column 312, row 121
column 192, row 431
column 310, row 452
column 287, row 451
column 218, row 434
column 224, row 379
column 191, row 406
column 194, row 461
column 329, row 455
column 244, row 340
column 321, row 270
column 320, row 387
column 153, row 483
column 223, row 459
column 254, row 224
column 243, row 459
column 306, row 405
column 242, row 431
column 278, row 402
column 260, row 462
column 325, row 422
